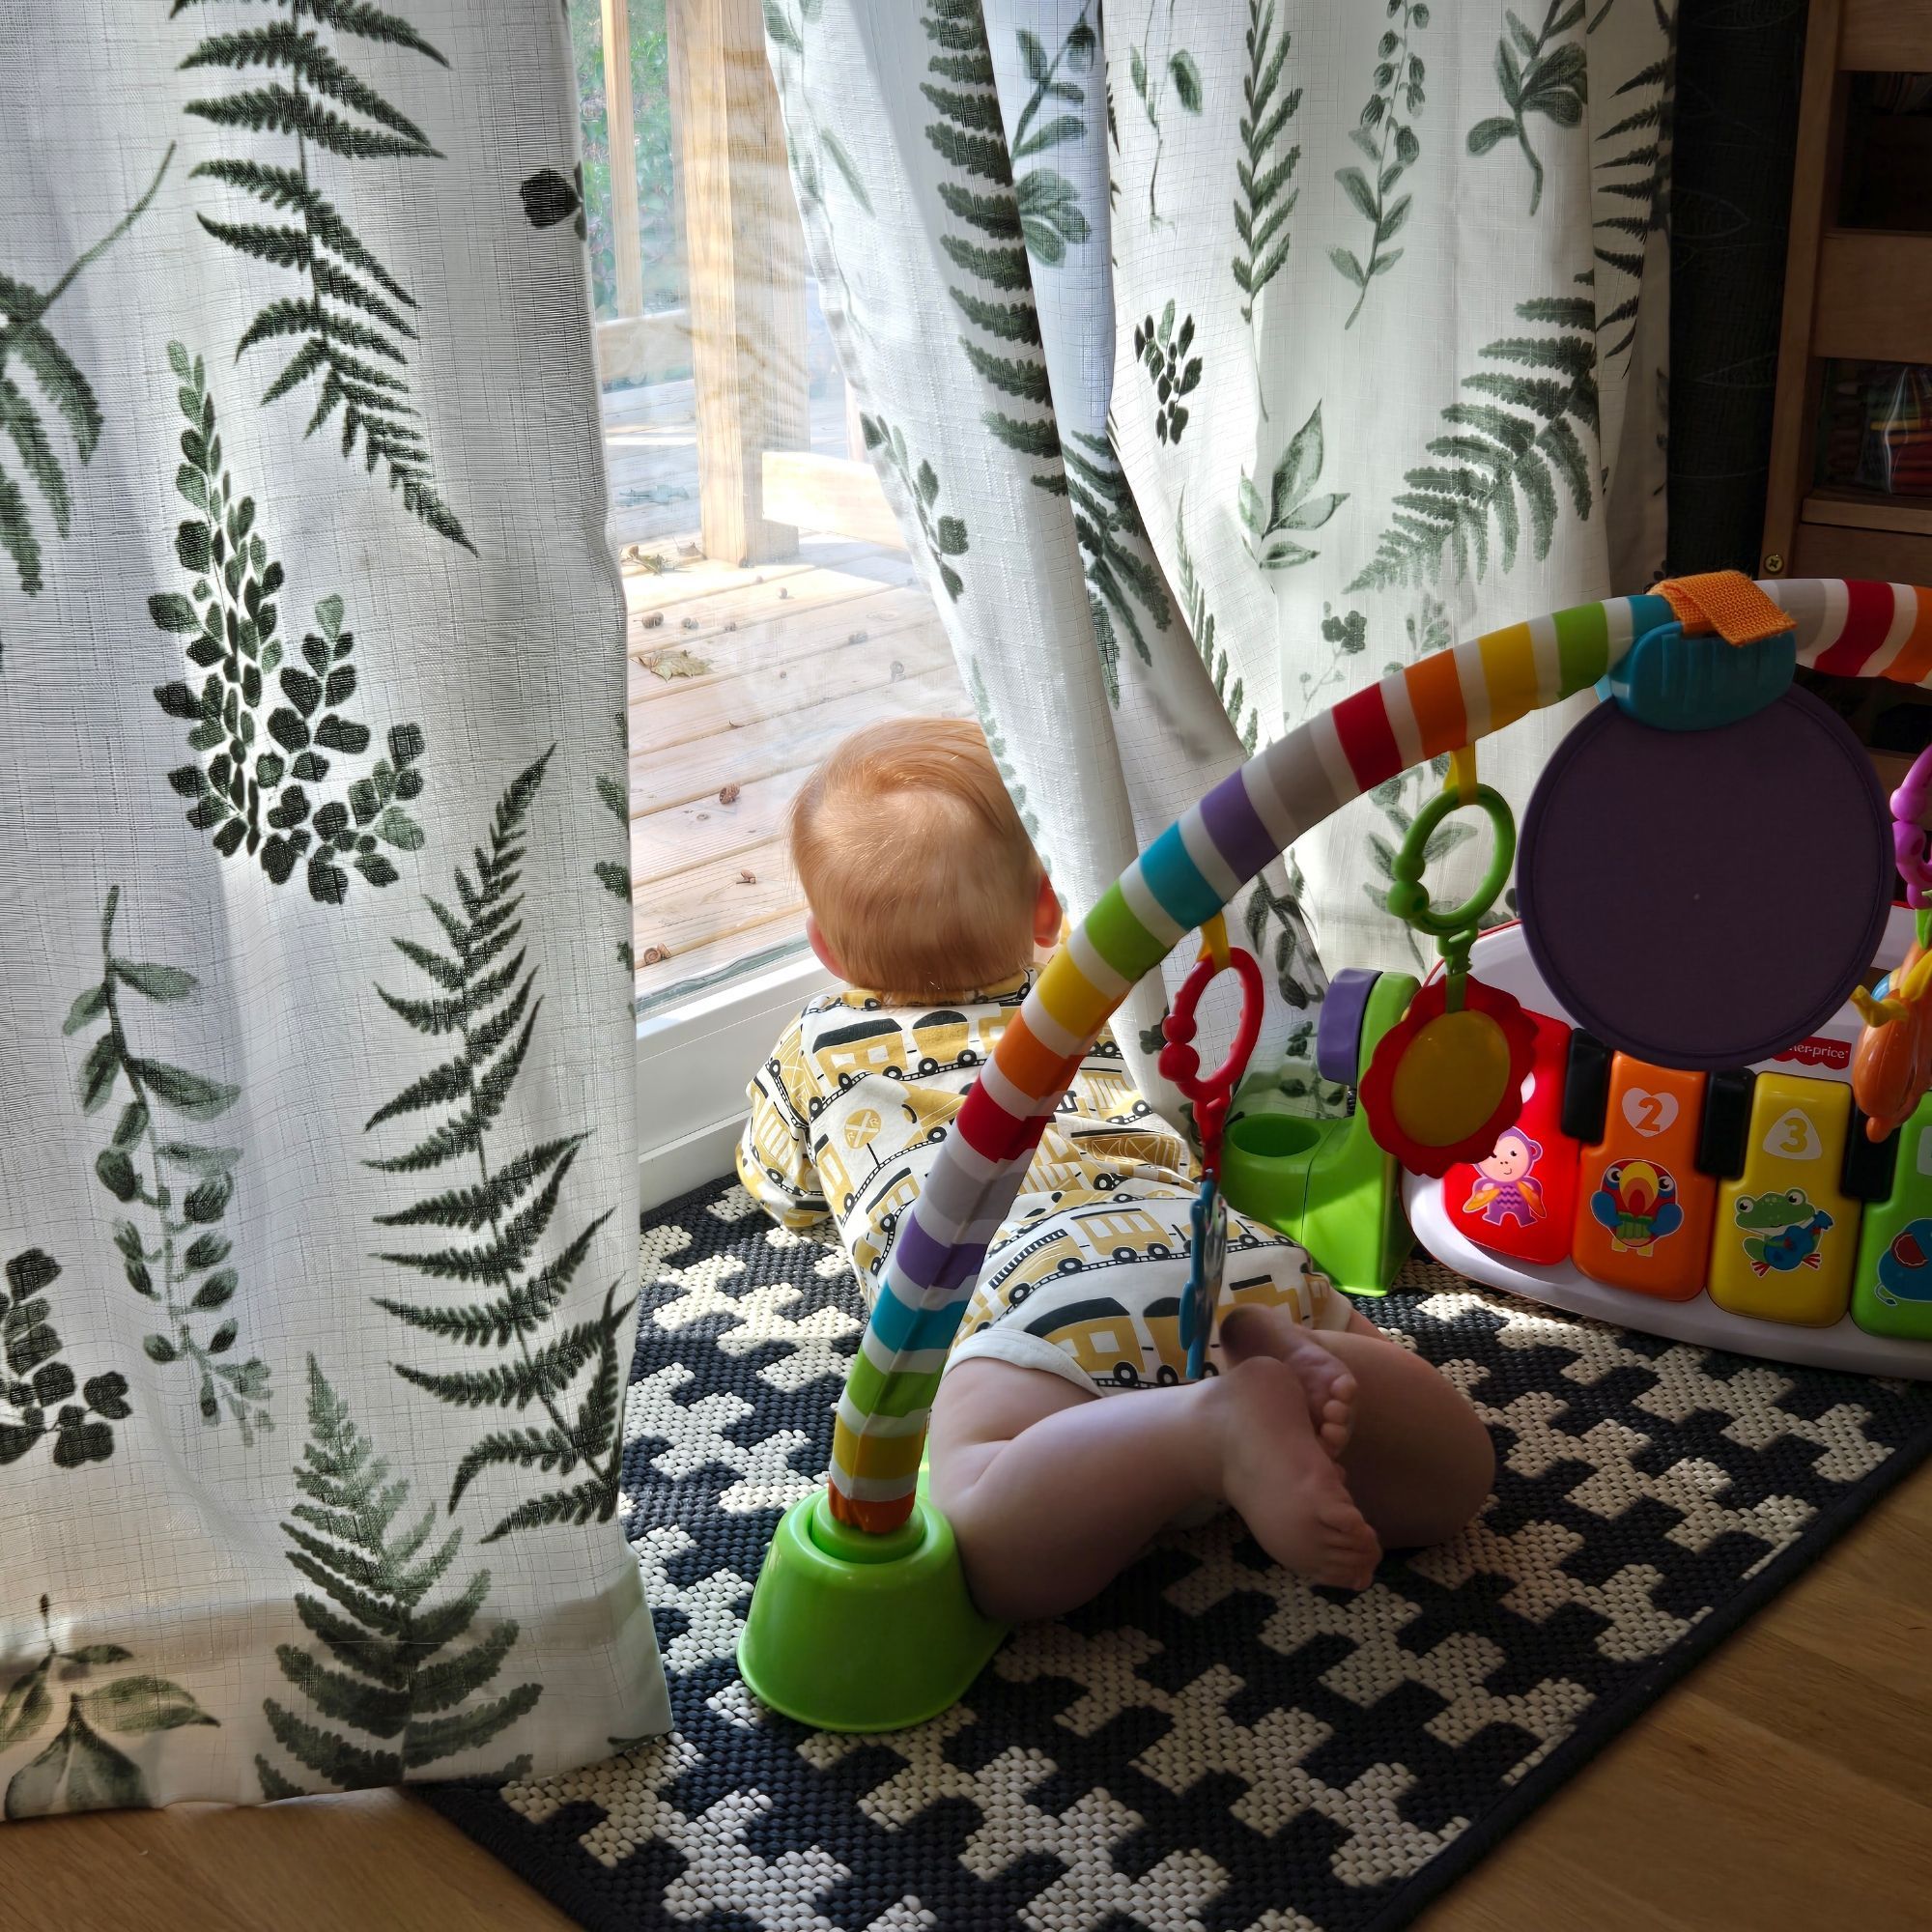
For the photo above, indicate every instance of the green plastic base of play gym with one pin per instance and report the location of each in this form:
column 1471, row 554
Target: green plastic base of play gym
column 1324, row 1183
column 856, row 1632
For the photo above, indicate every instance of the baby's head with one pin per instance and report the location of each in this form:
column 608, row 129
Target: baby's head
column 920, row 880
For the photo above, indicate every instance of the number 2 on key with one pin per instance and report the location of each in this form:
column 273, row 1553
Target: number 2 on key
column 1650, row 1116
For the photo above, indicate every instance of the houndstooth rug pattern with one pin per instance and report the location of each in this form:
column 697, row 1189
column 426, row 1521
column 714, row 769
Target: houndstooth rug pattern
column 1213, row 1746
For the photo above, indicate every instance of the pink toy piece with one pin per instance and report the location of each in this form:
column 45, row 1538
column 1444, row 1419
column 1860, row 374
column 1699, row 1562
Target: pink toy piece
column 1908, row 839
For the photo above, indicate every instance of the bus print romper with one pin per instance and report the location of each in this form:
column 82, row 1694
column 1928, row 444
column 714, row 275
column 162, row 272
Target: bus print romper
column 1085, row 1277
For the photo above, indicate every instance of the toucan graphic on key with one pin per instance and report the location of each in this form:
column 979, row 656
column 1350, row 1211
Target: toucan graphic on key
column 1637, row 1203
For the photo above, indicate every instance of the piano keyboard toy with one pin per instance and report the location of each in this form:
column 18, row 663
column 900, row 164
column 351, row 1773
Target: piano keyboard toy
column 1739, row 1208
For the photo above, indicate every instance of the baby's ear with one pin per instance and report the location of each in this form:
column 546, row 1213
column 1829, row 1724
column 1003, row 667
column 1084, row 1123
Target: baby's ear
column 1046, row 915
column 817, row 940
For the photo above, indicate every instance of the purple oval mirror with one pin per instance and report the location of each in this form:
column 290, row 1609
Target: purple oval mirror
column 1706, row 898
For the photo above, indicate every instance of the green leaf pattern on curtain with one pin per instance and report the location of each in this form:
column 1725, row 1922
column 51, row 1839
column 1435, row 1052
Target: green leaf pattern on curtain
column 78, row 1769
column 37, row 1383
column 1357, row 395
column 353, row 316
column 30, row 345
column 172, row 1188
column 341, row 580
column 481, row 999
column 1440, row 411
column 390, row 1664
column 252, row 794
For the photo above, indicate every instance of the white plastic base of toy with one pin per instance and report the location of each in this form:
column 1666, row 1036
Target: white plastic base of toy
column 1501, row 958
column 1701, row 1321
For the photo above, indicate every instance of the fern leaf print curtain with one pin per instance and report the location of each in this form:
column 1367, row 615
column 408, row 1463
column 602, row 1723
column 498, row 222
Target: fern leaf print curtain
column 319, row 1185
column 1220, row 356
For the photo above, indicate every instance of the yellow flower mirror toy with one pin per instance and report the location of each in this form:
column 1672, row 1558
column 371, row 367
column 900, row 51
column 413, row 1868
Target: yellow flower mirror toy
column 1447, row 1079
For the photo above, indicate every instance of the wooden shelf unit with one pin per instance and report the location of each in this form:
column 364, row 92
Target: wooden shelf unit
column 1851, row 294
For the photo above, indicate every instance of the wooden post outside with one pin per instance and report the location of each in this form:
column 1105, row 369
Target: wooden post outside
column 622, row 128
column 677, row 212
column 745, row 270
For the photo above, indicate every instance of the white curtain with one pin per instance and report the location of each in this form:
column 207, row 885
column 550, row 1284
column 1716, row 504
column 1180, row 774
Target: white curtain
column 320, row 1188
column 1220, row 356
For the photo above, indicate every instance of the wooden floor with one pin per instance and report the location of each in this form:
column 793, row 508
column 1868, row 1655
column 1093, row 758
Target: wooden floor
column 740, row 681
column 1786, row 1787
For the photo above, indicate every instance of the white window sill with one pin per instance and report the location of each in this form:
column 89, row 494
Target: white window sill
column 694, row 1063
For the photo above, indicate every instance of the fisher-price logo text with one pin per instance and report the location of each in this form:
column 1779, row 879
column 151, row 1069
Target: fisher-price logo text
column 1817, row 1052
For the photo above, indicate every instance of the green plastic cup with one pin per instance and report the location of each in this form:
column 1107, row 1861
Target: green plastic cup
column 855, row 1632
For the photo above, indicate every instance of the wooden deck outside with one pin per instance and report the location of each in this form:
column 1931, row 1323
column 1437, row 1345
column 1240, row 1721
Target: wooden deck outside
column 740, row 680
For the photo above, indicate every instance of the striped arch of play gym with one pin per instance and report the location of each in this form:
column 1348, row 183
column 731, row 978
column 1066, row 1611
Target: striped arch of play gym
column 1186, row 875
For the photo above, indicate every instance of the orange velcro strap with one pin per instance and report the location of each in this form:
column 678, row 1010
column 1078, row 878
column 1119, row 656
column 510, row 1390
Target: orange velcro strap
column 1726, row 602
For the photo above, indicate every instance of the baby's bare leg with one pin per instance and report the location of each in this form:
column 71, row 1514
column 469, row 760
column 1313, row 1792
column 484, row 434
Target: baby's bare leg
column 1053, row 1491
column 1417, row 1457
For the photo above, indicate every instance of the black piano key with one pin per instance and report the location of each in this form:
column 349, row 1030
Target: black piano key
column 1586, row 1088
column 1871, row 1166
column 1722, row 1140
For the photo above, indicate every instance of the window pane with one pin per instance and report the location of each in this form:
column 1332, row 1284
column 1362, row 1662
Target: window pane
column 773, row 607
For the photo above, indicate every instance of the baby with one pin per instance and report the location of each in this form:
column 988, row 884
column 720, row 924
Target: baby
column 926, row 899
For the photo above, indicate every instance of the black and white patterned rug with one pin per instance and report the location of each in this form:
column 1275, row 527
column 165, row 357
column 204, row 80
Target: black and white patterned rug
column 1211, row 1746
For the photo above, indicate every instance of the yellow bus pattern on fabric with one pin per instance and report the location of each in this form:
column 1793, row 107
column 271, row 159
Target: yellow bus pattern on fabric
column 1102, row 1337
column 1054, row 1253
column 770, row 1137
column 835, row 1176
column 929, row 1111
column 942, row 1039
column 883, row 1211
column 869, row 1046
column 1111, row 1343
column 1123, row 1233
column 788, row 1061
column 1111, row 1096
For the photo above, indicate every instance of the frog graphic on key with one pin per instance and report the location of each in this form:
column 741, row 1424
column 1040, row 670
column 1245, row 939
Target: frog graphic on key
column 1781, row 1231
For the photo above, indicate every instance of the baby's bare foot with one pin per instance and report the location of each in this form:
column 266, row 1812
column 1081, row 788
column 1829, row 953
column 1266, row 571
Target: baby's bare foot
column 1278, row 1474
column 1328, row 1386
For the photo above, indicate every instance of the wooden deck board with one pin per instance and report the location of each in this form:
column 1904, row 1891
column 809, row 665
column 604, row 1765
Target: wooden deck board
column 777, row 744
column 705, row 830
column 715, row 902
column 843, row 676
column 773, row 642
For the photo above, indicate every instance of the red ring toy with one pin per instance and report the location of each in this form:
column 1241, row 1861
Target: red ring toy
column 1178, row 1062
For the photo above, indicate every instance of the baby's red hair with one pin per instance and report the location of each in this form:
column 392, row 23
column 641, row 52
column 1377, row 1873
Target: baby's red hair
column 914, row 861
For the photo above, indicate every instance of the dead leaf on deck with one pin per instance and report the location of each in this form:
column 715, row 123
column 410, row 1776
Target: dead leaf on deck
column 650, row 620
column 729, row 796
column 676, row 663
